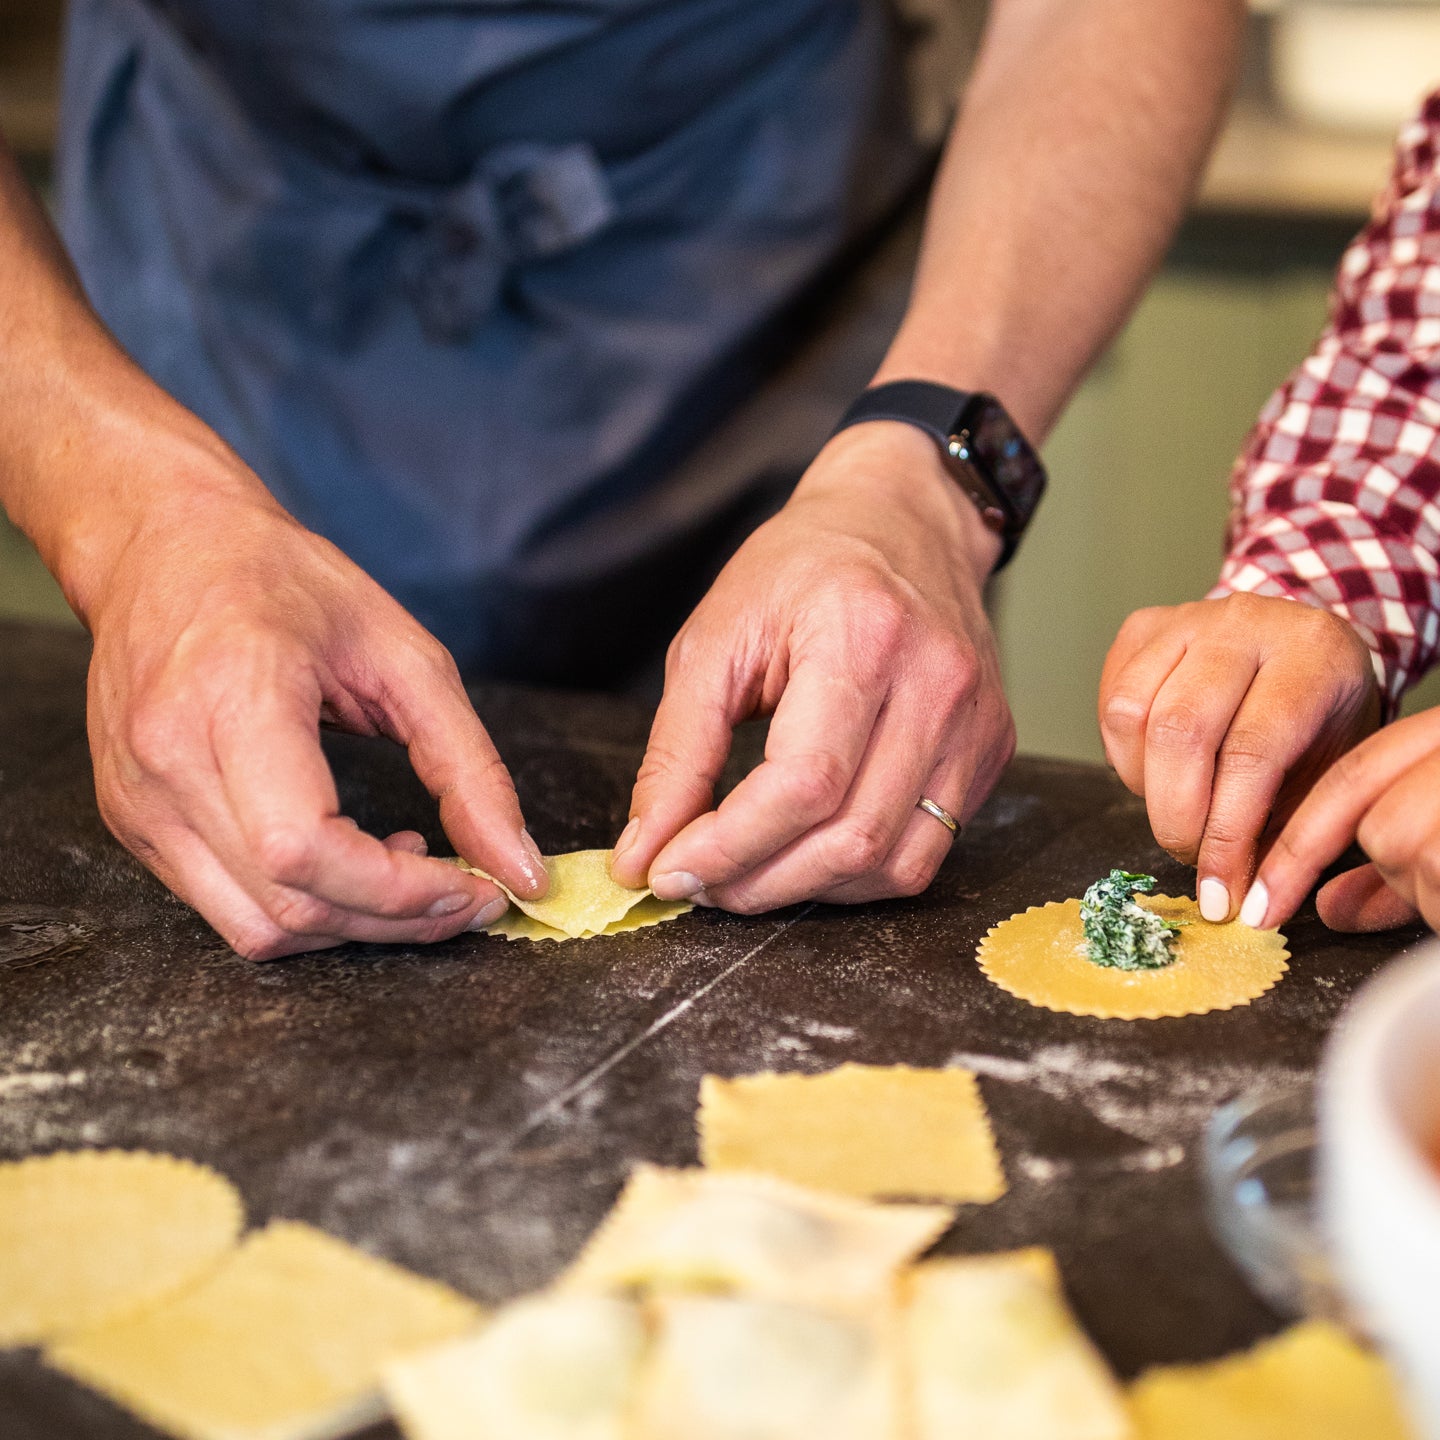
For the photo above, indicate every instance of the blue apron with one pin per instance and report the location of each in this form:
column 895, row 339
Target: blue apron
column 462, row 280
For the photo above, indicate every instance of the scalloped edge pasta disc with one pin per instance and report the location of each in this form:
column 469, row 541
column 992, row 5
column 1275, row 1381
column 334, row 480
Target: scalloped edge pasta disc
column 1038, row 956
column 87, row 1236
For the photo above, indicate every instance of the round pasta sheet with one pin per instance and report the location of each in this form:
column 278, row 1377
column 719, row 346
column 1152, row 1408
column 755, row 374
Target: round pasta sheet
column 1040, row 957
column 88, row 1235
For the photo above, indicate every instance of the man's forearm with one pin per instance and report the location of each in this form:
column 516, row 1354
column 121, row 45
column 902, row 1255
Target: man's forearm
column 1079, row 142
column 87, row 440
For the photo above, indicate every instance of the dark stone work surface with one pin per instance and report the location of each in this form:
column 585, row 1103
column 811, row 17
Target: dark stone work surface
column 470, row 1109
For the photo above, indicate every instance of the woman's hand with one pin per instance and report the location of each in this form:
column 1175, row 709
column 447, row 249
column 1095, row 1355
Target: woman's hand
column 1222, row 714
column 854, row 618
column 1384, row 796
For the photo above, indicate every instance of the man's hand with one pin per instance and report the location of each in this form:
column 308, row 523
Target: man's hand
column 222, row 640
column 1222, row 714
column 854, row 618
column 1385, row 796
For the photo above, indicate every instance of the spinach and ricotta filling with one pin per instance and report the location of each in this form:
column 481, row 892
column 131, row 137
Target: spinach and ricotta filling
column 1119, row 932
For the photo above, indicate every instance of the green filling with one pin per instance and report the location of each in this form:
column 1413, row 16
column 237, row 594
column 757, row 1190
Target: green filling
column 1121, row 933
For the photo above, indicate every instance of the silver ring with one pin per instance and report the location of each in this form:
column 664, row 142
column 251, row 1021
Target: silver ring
column 926, row 804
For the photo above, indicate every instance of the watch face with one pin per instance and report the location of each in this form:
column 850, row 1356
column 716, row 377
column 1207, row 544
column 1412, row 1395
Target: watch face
column 1006, row 454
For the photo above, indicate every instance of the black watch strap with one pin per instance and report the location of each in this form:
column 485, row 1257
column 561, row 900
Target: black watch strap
column 1005, row 486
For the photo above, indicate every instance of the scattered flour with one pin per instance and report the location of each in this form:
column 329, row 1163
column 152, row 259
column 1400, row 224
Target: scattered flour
column 38, row 1082
column 1149, row 1100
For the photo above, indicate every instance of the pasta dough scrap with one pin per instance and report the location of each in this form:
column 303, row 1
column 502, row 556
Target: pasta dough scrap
column 515, row 925
column 1308, row 1382
column 992, row 1350
column 868, row 1130
column 551, row 1367
column 285, row 1341
column 1039, row 956
column 737, row 1368
column 88, row 1235
column 722, row 1230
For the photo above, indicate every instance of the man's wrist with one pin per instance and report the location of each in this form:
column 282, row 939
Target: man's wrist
column 898, row 465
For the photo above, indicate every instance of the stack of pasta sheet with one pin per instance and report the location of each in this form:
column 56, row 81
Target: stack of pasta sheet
column 732, row 1306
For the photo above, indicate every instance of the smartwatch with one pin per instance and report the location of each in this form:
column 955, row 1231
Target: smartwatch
column 982, row 447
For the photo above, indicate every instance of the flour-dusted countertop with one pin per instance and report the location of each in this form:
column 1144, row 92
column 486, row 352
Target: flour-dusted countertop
column 470, row 1109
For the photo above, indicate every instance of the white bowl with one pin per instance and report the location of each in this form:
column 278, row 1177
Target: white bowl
column 1379, row 1181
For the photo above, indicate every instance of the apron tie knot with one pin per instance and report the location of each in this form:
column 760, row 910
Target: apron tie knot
column 522, row 202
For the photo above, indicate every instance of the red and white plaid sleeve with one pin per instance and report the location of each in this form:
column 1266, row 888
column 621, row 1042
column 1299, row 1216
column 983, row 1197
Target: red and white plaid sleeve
column 1336, row 495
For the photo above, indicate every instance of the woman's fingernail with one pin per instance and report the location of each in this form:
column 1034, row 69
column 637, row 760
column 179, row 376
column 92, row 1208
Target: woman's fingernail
column 1214, row 900
column 448, row 905
column 627, row 837
column 489, row 914
column 1257, row 902
column 677, row 885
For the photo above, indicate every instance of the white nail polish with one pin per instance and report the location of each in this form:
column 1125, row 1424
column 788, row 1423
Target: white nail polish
column 1257, row 902
column 488, row 914
column 677, row 885
column 1214, row 900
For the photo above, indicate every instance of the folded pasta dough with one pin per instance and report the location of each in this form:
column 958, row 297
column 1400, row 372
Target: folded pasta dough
column 992, row 1350
column 582, row 898
column 550, row 1367
column 737, row 1368
column 729, row 1231
column 516, row 925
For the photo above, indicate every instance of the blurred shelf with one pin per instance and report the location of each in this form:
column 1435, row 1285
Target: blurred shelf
column 1267, row 164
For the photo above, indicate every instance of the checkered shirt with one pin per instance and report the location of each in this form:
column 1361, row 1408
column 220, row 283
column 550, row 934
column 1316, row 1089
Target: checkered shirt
column 1336, row 495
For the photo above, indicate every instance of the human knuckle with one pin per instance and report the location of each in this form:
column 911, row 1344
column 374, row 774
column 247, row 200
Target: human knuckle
column 1178, row 729
column 882, row 623
column 1248, row 753
column 438, row 660
column 157, row 735
column 1138, row 625
column 1348, row 775
column 859, row 845
column 296, row 913
column 1183, row 844
column 285, row 854
column 682, row 652
column 257, row 940
column 956, row 669
column 816, row 784
column 1426, row 864
column 1384, row 844
column 1123, row 713
column 911, row 873
column 1225, row 833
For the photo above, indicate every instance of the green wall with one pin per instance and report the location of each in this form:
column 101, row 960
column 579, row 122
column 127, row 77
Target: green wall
column 1138, row 467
